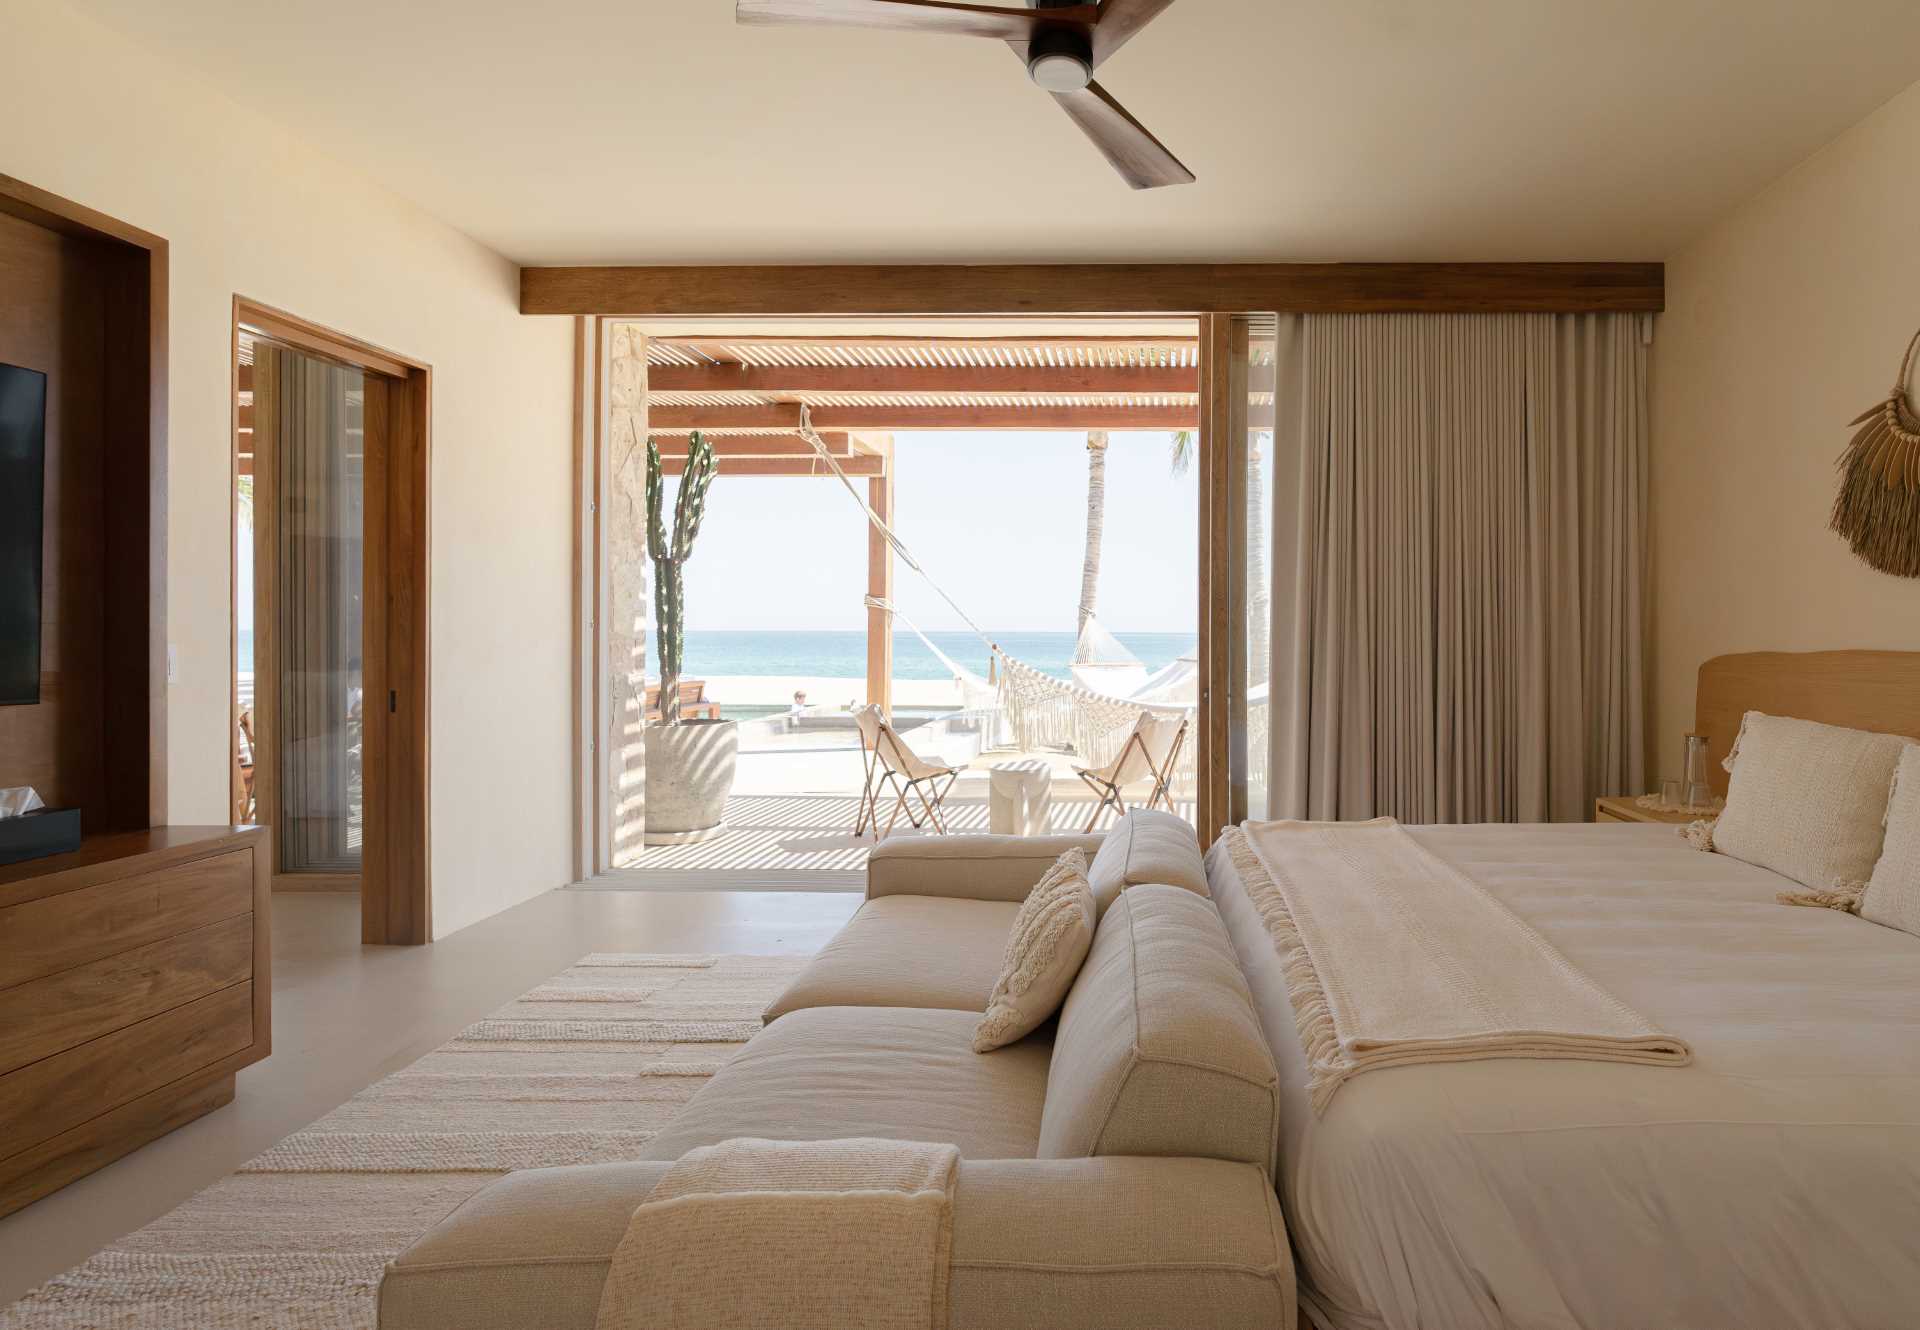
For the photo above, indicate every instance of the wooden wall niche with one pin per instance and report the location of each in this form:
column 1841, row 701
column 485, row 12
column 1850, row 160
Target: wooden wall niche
column 83, row 298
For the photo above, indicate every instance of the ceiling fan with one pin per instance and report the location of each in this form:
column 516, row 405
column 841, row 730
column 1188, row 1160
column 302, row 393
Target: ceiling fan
column 1061, row 43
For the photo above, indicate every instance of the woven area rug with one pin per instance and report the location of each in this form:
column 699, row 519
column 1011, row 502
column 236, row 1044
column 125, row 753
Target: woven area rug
column 583, row 1069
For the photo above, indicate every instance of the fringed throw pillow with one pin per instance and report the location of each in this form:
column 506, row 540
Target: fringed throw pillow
column 1893, row 895
column 1051, row 936
column 1807, row 801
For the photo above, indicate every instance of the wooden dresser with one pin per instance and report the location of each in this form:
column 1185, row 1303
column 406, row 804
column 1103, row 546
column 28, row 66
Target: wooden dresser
column 134, row 983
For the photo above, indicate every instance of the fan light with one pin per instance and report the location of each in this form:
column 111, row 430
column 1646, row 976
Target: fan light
column 1060, row 71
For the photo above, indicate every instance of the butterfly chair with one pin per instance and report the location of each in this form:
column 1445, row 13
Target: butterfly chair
column 874, row 772
column 891, row 764
column 1153, row 749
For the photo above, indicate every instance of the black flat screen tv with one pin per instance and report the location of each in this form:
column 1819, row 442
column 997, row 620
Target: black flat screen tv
column 23, row 466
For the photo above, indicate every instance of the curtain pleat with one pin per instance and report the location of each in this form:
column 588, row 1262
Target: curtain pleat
column 1458, row 611
column 318, row 490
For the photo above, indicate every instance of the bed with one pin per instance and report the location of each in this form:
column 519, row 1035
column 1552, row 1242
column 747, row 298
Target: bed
column 1774, row 1182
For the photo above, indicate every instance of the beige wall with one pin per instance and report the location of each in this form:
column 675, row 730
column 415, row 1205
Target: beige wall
column 247, row 209
column 1783, row 323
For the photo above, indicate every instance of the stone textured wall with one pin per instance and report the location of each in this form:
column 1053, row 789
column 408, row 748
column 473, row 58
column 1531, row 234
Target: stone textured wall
column 628, row 607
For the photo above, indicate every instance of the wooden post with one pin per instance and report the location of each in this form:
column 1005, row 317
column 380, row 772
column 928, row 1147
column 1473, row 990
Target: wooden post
column 880, row 587
column 1211, row 758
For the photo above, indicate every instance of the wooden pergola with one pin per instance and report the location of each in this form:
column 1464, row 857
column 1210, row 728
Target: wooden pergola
column 746, row 393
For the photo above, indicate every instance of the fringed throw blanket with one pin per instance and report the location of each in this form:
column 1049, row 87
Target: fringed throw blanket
column 804, row 1235
column 1392, row 957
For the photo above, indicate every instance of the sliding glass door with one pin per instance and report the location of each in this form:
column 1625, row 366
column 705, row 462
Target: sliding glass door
column 308, row 513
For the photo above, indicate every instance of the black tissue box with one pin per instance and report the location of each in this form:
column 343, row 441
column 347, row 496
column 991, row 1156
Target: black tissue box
column 37, row 834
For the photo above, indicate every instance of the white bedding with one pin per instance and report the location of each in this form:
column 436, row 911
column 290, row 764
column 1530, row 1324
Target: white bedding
column 1775, row 1182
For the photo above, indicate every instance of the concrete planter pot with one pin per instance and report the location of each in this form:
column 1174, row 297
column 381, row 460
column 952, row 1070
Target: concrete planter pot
column 689, row 776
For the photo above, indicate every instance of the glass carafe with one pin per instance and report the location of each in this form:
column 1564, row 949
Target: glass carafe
column 1696, row 790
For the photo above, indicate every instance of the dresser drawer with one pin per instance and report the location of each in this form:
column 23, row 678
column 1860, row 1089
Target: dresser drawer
column 55, row 933
column 46, row 1016
column 47, row 1097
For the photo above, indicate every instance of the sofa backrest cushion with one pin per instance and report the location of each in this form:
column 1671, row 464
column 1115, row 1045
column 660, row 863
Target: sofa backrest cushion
column 983, row 868
column 1158, row 1050
column 1146, row 846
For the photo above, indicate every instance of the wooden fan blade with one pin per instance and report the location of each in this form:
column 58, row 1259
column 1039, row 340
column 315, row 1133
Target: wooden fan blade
column 916, row 16
column 1140, row 158
column 1120, row 22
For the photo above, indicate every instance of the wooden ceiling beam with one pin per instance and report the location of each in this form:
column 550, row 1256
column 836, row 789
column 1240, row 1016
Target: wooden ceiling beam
column 673, row 443
column 1139, row 288
column 666, row 419
column 1056, row 379
column 865, row 465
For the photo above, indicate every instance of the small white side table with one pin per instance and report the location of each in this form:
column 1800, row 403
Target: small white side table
column 1018, row 797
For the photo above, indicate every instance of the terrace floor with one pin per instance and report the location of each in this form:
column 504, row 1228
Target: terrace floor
column 789, row 823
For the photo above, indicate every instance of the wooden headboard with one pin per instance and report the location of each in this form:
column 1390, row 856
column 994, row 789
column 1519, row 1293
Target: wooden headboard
column 1862, row 690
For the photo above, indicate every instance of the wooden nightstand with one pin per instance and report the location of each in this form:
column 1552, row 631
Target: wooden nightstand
column 1623, row 809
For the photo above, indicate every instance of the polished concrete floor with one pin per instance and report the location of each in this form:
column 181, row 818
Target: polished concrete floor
column 345, row 1015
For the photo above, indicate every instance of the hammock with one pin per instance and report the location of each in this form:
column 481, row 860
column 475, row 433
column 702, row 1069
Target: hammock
column 978, row 697
column 1102, row 665
column 1040, row 711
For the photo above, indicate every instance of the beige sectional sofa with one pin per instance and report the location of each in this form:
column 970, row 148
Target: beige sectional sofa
column 1116, row 1164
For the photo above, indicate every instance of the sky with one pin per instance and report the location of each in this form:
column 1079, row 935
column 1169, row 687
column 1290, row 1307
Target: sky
column 997, row 518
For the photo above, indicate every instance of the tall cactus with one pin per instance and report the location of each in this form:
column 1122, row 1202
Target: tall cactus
column 669, row 601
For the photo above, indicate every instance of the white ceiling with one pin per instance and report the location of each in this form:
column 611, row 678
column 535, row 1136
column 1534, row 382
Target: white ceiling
column 656, row 131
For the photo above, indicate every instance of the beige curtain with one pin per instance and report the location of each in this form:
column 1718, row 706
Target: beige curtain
column 1460, row 530
column 309, row 517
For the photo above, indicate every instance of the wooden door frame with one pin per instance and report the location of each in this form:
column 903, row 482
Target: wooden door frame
column 395, row 884
column 1221, row 594
column 1218, row 296
column 592, row 791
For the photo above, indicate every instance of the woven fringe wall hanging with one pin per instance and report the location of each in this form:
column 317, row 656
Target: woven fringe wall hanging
column 1878, row 507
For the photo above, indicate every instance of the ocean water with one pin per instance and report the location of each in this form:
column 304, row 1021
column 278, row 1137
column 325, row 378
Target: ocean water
column 835, row 655
column 843, row 655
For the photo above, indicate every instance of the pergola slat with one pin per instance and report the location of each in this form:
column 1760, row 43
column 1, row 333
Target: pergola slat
column 863, row 465
column 720, row 343
column 1023, row 379
column 719, row 419
column 673, row 443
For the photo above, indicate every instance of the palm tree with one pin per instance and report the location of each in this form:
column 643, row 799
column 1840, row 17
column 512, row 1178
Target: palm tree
column 1096, row 525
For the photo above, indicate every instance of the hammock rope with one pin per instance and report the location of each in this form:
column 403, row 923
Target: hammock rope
column 1041, row 711
column 819, row 446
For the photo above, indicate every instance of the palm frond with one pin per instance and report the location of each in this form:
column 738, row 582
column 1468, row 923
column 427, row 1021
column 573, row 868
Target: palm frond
column 1182, row 456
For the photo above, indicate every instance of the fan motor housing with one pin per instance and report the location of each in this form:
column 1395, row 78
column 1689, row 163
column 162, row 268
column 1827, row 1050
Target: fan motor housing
column 1060, row 59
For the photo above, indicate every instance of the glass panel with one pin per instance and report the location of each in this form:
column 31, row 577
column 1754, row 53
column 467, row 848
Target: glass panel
column 307, row 420
column 1253, row 531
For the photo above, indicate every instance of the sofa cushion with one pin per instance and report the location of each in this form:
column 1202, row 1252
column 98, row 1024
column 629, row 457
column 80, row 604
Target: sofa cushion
column 889, row 1072
column 1062, row 1244
column 528, row 1252
column 907, row 951
column 1051, row 937
column 1158, row 1050
column 1146, row 846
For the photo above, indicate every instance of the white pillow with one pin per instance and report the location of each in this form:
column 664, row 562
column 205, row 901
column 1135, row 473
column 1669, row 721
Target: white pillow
column 1893, row 896
column 1051, row 936
column 1807, row 800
